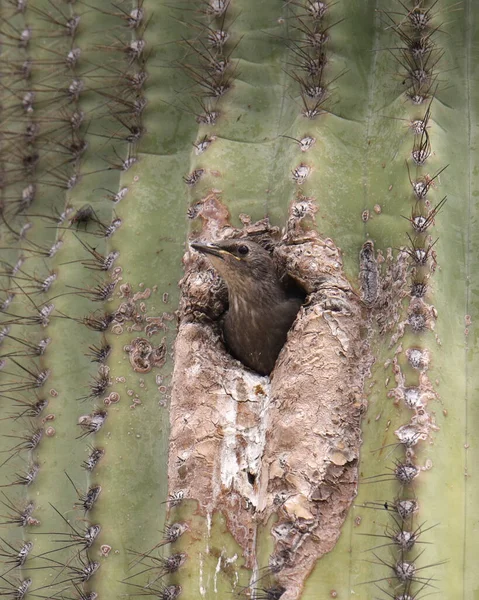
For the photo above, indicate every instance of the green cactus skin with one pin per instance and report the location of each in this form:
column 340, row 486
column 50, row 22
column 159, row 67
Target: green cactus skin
column 392, row 191
column 356, row 162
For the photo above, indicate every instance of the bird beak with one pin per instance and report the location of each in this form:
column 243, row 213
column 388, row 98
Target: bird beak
column 209, row 249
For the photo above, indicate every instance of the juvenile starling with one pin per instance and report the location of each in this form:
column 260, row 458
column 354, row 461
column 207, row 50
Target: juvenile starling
column 261, row 308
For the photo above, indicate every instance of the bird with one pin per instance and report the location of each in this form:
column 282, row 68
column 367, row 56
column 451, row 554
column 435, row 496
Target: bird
column 262, row 306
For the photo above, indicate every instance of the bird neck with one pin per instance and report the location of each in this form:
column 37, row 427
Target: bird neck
column 251, row 294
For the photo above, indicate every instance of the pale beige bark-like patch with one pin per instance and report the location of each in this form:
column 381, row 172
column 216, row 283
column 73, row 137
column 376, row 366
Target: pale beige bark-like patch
column 251, row 446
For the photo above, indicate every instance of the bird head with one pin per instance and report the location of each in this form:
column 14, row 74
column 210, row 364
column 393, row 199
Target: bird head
column 240, row 262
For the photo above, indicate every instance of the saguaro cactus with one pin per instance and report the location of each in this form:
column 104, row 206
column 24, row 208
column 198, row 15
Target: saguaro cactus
column 138, row 457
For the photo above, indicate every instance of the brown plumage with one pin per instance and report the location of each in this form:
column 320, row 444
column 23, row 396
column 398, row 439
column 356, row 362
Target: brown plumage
column 261, row 307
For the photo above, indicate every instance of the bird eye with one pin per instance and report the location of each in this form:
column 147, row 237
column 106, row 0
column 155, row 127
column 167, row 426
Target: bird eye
column 243, row 250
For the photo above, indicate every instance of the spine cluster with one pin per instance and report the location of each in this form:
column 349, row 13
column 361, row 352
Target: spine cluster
column 72, row 118
column 209, row 65
column 409, row 575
